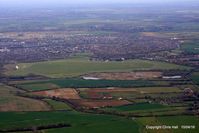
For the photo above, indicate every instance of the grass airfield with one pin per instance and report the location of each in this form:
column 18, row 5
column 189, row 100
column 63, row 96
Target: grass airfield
column 76, row 66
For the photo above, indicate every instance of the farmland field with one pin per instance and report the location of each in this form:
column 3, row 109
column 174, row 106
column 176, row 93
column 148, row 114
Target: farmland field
column 181, row 120
column 159, row 89
column 195, row 77
column 99, row 66
column 58, row 105
column 191, row 46
column 66, row 93
column 80, row 83
column 122, row 126
column 125, row 94
column 165, row 95
column 81, row 65
column 130, row 92
column 10, row 102
column 39, row 87
column 98, row 103
column 170, row 121
column 137, row 107
column 79, row 121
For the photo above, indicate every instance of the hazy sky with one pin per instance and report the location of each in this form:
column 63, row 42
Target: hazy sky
column 5, row 3
column 87, row 1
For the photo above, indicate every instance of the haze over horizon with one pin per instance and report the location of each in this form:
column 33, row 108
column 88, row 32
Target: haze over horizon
column 24, row 2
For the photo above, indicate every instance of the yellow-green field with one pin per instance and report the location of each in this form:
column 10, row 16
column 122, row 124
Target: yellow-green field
column 39, row 87
column 10, row 102
column 81, row 65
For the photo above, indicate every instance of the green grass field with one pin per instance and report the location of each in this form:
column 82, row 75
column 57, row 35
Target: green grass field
column 125, row 94
column 58, row 105
column 170, row 121
column 76, row 66
column 165, row 95
column 122, row 126
column 191, row 46
column 84, row 94
column 10, row 102
column 165, row 92
column 39, row 87
column 181, row 120
column 80, row 83
column 145, row 106
column 195, row 77
column 81, row 122
column 159, row 89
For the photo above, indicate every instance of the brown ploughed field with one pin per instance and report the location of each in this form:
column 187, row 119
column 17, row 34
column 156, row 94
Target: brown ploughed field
column 72, row 95
column 66, row 93
column 95, row 92
column 109, row 89
column 98, row 103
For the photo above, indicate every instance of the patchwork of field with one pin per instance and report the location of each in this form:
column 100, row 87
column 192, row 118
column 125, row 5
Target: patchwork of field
column 74, row 98
column 103, row 97
column 9, row 101
column 109, row 89
column 192, row 46
column 57, row 105
column 89, row 92
column 126, row 76
column 156, row 34
column 129, row 94
column 116, row 89
column 80, row 83
column 66, row 93
column 159, row 90
column 81, row 65
column 165, row 95
column 97, row 93
column 38, row 87
column 98, row 103
column 117, row 93
column 80, row 122
column 195, row 77
column 148, row 109
column 136, row 107
column 103, row 127
column 59, row 34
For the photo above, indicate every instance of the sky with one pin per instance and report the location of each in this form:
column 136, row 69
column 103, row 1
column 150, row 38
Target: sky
column 88, row 1
column 80, row 2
